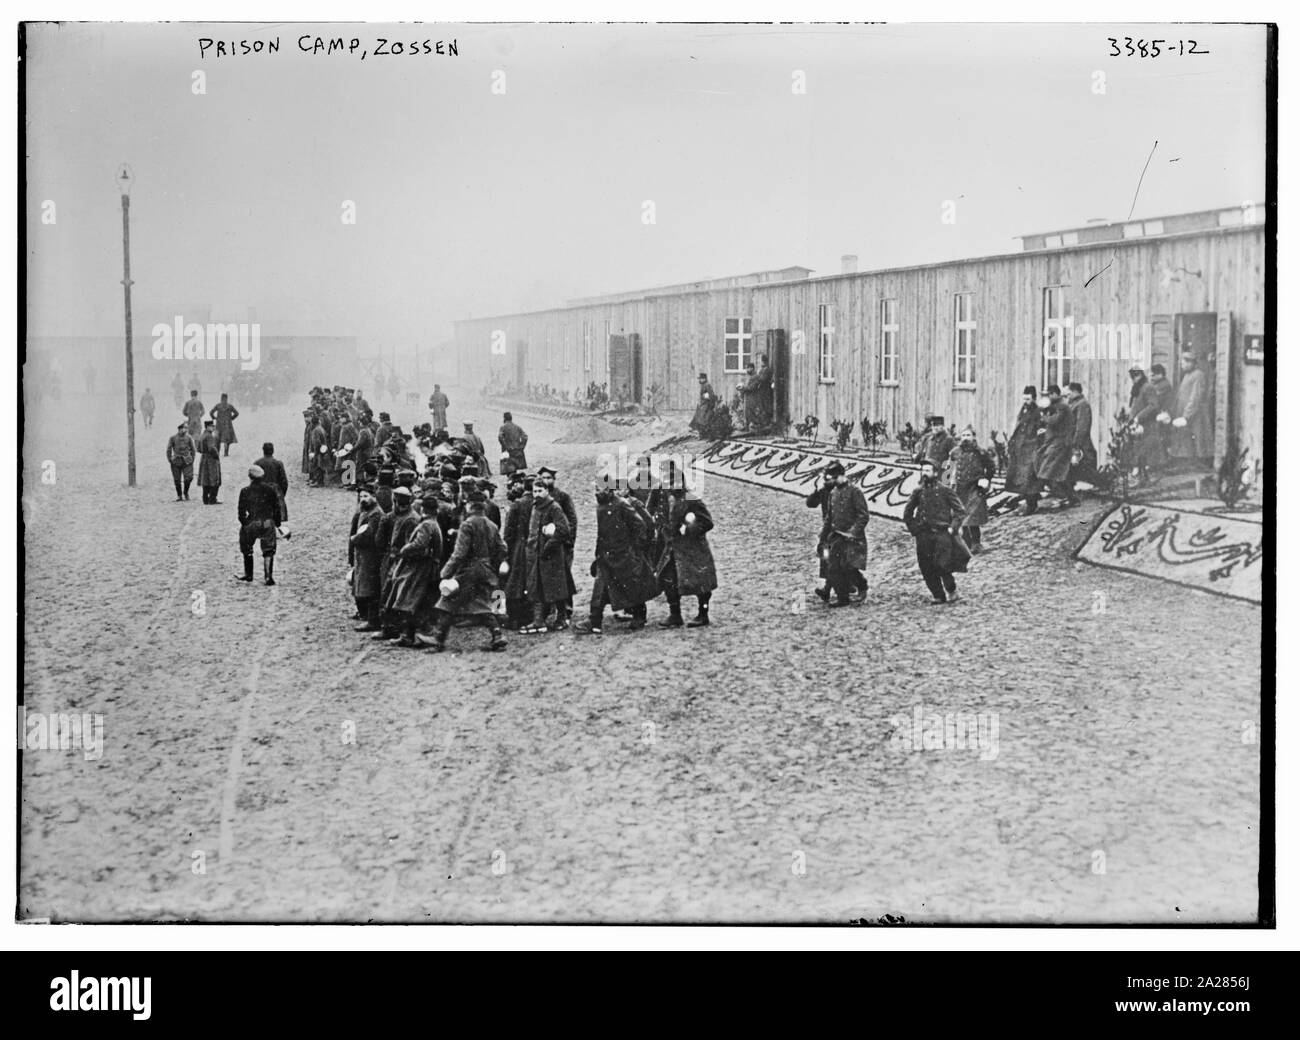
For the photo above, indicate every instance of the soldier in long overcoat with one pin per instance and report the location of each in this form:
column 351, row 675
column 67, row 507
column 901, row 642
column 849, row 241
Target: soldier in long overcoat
column 624, row 579
column 685, row 567
column 365, row 555
column 225, row 415
column 846, row 538
column 209, row 464
column 394, row 531
column 513, row 441
column 1152, row 415
column 1083, row 454
column 469, row 577
column 1192, row 433
column 318, row 447
column 1022, row 447
column 514, row 531
column 414, row 572
column 970, row 474
column 1052, row 462
column 549, row 580
column 193, row 412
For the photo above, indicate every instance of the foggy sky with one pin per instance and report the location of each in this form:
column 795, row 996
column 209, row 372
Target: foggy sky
column 471, row 203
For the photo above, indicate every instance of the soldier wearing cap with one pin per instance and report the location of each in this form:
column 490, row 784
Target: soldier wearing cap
column 475, row 445
column 365, row 557
column 933, row 515
column 438, row 404
column 845, row 541
column 275, row 475
column 936, row 443
column 550, row 583
column 513, row 441
column 469, row 576
column 393, row 534
column 414, row 569
column 180, row 456
column 259, row 515
column 514, row 531
column 209, row 463
column 318, row 446
column 565, row 502
column 624, row 577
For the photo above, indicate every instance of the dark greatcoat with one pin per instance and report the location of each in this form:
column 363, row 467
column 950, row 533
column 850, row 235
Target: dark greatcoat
column 935, row 446
column 475, row 563
column 1052, row 462
column 393, row 533
column 930, row 511
column 209, row 460
column 365, row 553
column 1086, row 467
column 846, row 537
column 438, row 403
column 225, row 415
column 688, row 551
column 319, row 439
column 1155, row 397
column 274, row 474
column 1022, row 446
column 193, row 412
column 512, row 439
column 620, row 567
column 364, row 450
column 415, row 566
column 704, row 410
column 565, row 501
column 967, row 466
column 549, row 579
column 515, row 533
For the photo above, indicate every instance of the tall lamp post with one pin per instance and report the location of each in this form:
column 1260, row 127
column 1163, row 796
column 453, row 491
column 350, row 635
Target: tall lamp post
column 125, row 178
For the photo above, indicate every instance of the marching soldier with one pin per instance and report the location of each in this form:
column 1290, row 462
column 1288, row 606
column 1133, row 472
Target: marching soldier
column 686, row 566
column 933, row 516
column 469, row 576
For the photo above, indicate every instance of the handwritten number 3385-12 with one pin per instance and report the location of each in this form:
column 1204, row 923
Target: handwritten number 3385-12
column 1149, row 48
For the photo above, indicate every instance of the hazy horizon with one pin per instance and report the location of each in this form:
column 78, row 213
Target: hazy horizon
column 470, row 203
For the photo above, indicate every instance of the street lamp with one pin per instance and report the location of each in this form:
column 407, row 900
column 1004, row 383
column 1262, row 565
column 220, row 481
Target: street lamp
column 125, row 179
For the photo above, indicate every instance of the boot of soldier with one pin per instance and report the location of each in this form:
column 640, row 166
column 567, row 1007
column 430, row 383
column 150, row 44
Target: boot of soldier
column 248, row 569
column 701, row 615
column 408, row 635
column 268, row 568
column 187, row 489
column 674, row 618
column 437, row 642
column 498, row 639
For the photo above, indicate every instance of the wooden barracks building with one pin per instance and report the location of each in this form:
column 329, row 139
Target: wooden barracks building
column 960, row 338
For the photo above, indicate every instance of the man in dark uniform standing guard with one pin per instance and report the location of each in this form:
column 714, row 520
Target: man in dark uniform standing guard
column 259, row 516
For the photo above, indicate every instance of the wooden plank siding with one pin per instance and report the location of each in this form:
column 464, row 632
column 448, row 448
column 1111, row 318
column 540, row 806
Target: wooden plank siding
column 682, row 333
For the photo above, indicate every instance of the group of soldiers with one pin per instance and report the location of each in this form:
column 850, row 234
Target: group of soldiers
column 204, row 436
column 430, row 549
